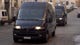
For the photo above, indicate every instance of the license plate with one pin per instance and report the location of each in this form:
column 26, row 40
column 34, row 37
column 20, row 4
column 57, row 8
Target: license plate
column 27, row 37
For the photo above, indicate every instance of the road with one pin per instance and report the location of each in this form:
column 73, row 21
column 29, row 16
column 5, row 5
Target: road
column 65, row 35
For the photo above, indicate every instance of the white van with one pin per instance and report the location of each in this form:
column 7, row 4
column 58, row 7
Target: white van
column 3, row 17
column 69, row 5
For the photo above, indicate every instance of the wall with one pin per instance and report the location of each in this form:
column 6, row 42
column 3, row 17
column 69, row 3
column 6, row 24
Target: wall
column 1, row 4
column 36, row 0
column 78, row 3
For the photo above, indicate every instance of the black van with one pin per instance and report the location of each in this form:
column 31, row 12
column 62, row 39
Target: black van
column 61, row 15
column 36, row 20
column 78, row 15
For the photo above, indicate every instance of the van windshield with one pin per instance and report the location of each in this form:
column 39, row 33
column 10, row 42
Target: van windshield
column 31, row 13
column 58, row 12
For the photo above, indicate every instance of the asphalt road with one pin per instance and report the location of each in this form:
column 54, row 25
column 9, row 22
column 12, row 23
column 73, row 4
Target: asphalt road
column 65, row 35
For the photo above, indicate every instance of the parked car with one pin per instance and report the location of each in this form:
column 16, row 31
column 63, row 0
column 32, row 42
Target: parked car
column 78, row 15
column 3, row 17
column 35, row 21
column 61, row 15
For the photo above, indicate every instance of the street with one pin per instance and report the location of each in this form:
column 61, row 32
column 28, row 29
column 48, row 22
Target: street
column 65, row 35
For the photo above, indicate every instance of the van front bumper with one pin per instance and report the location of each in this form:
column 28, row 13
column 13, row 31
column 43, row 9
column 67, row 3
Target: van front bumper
column 59, row 21
column 31, row 35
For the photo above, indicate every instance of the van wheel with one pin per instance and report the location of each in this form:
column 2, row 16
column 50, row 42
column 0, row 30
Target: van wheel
column 15, row 40
column 2, row 23
column 78, row 16
column 53, row 33
column 46, row 38
column 66, row 22
column 9, row 22
column 63, row 24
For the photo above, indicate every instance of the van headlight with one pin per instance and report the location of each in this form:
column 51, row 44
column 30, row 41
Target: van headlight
column 38, row 27
column 60, row 18
column 17, row 27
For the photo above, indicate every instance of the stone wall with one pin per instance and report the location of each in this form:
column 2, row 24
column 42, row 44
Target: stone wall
column 78, row 3
column 1, row 7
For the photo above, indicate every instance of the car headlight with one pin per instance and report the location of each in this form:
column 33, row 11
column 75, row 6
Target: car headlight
column 38, row 27
column 60, row 18
column 18, row 27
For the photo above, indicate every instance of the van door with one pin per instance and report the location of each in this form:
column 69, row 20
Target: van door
column 53, row 20
column 0, row 15
column 49, row 24
column 4, row 16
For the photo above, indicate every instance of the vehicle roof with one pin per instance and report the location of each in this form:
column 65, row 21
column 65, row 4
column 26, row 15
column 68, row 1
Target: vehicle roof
column 35, row 4
column 3, row 10
column 59, row 6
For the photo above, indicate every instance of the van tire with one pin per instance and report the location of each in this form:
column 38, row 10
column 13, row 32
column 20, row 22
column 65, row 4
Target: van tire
column 53, row 33
column 9, row 22
column 46, row 38
column 2, row 23
column 78, row 16
column 64, row 23
column 15, row 40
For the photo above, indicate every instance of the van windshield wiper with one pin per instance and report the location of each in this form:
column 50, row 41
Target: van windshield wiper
column 30, row 19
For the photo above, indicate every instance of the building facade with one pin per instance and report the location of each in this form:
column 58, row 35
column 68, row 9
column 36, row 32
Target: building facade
column 78, row 3
column 12, row 6
column 19, row 2
column 6, row 5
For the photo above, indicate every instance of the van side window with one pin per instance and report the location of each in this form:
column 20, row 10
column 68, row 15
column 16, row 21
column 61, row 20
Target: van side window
column 50, row 16
column 4, row 14
column 51, row 11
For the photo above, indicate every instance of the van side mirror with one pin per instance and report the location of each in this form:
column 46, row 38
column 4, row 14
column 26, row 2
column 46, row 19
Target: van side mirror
column 14, row 18
column 49, row 20
column 65, row 14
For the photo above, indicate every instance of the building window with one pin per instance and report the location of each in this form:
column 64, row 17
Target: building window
column 50, row 0
column 67, row 3
column 6, row 0
column 35, row 0
column 15, row 3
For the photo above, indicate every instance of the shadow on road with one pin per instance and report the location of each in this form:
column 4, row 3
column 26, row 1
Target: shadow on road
column 31, row 42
